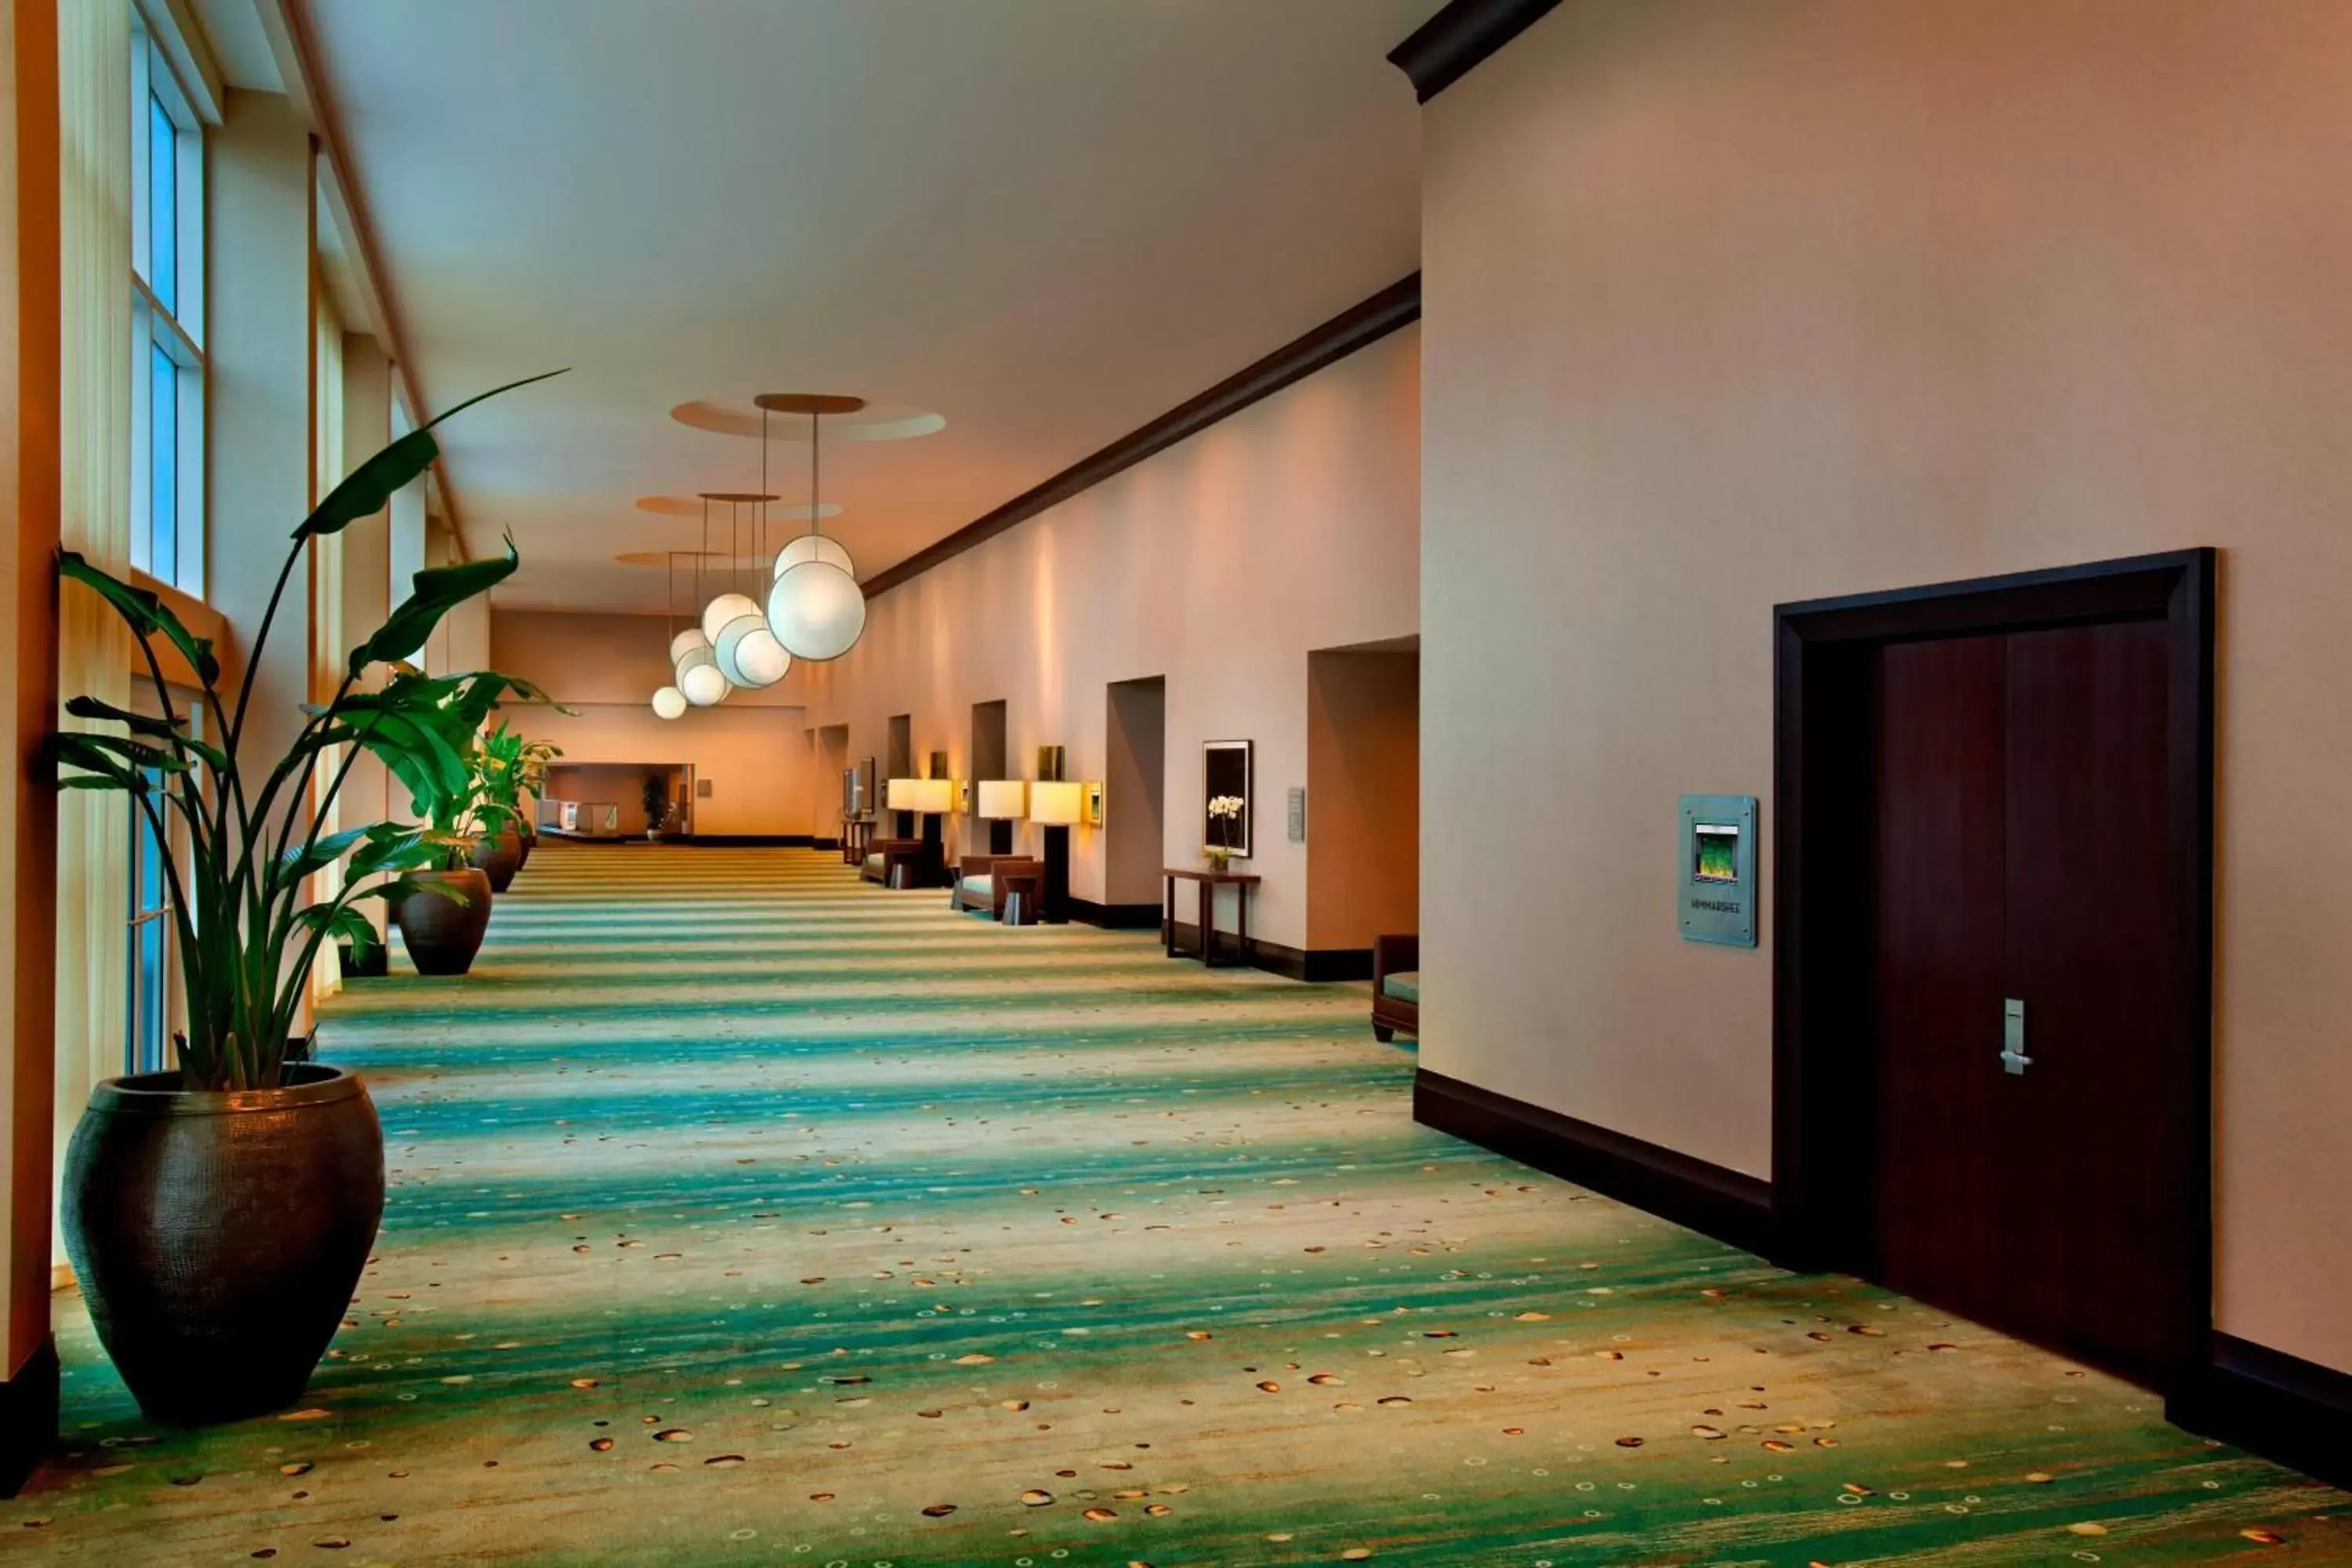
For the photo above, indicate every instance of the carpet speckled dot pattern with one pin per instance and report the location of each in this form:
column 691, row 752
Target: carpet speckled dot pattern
column 744, row 1213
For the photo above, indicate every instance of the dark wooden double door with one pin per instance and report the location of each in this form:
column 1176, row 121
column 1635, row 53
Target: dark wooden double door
column 2018, row 858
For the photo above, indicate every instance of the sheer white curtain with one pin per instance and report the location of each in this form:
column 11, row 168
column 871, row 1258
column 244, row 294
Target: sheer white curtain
column 95, row 650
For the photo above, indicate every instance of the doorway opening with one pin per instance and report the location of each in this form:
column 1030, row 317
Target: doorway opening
column 898, row 762
column 1135, row 799
column 988, row 763
column 832, row 778
column 1362, row 813
column 1992, row 965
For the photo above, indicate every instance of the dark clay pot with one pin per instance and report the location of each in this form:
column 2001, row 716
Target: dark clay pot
column 530, row 843
column 442, row 935
column 218, row 1238
column 500, row 856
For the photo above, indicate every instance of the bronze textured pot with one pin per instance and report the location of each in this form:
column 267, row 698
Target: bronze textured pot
column 501, row 855
column 218, row 1238
column 441, row 934
column 530, row 843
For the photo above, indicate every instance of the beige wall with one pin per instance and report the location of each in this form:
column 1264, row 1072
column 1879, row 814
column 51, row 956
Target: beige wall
column 752, row 748
column 1363, row 797
column 1217, row 563
column 1731, row 302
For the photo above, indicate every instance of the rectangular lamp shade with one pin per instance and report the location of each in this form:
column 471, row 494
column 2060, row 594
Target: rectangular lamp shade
column 920, row 795
column 1057, row 803
column 999, row 799
column 899, row 795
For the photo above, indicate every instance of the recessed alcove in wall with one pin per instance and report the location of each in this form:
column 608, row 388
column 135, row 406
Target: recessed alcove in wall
column 608, row 799
column 1363, row 801
column 832, row 745
column 898, row 762
column 1135, row 791
column 988, row 763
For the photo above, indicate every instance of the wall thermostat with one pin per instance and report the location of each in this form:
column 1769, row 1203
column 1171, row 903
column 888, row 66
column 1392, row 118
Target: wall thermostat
column 1714, row 868
column 1295, row 815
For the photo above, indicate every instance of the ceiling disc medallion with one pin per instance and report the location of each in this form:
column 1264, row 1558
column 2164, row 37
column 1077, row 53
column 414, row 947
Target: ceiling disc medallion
column 825, row 402
column 735, row 497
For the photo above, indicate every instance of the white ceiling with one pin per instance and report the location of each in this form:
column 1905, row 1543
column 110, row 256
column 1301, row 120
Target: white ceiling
column 1047, row 220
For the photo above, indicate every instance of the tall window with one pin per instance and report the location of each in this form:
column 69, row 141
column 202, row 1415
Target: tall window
column 167, row 290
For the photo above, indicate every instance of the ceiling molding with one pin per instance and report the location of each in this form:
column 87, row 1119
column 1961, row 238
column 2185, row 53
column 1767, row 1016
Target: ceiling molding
column 1361, row 324
column 1450, row 45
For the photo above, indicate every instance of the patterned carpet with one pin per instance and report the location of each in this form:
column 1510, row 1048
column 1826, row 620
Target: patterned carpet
column 742, row 1213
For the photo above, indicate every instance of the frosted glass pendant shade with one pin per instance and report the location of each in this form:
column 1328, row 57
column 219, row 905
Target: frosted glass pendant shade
column 728, row 644
column 703, row 685
column 813, row 547
column 723, row 609
column 816, row 610
column 760, row 656
column 698, row 654
column 691, row 638
column 669, row 702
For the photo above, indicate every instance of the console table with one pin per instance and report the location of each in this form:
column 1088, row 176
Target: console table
column 1208, row 883
column 857, row 833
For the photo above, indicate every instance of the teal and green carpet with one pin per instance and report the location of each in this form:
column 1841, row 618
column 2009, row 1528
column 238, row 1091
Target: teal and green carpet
column 742, row 1213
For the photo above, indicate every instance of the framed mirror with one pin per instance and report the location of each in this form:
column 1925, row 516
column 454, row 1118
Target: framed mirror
column 1226, row 775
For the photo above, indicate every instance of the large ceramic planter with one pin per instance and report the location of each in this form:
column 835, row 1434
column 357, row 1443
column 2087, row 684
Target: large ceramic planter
column 530, row 843
column 500, row 856
column 218, row 1238
column 441, row 934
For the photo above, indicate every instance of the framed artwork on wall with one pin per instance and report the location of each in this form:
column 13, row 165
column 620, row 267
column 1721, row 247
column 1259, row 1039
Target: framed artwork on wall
column 1226, row 775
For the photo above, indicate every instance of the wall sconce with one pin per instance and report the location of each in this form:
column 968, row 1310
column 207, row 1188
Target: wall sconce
column 1093, row 805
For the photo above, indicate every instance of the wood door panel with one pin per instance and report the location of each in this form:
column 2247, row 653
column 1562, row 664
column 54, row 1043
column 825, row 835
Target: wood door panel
column 2104, row 1140
column 1939, row 952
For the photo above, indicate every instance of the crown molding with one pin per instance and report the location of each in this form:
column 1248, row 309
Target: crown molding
column 1361, row 324
column 1450, row 45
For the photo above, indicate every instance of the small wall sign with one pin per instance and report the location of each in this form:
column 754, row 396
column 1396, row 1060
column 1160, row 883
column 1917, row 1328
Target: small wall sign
column 1714, row 868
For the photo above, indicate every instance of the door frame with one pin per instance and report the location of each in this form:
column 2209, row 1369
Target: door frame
column 1821, row 1035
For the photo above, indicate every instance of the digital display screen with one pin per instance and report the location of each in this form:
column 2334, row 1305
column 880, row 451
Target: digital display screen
column 1715, row 852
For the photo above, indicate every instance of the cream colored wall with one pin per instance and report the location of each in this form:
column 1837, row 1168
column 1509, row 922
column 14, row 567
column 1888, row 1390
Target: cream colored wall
column 752, row 748
column 1729, row 304
column 1217, row 563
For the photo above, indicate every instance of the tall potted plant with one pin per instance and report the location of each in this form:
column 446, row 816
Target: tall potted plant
column 445, row 908
column 218, row 1213
column 531, row 759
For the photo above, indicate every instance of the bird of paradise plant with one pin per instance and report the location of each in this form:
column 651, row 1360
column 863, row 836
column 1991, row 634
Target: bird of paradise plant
column 246, row 927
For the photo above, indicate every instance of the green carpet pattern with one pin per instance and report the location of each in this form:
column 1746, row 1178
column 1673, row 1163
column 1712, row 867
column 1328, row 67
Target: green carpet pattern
column 743, row 1213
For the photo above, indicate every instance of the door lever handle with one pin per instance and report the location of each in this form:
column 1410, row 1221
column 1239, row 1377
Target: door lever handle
column 2014, row 1058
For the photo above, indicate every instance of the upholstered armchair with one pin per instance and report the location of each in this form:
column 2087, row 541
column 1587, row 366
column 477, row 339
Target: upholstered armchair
column 986, row 879
column 898, row 862
column 1396, row 986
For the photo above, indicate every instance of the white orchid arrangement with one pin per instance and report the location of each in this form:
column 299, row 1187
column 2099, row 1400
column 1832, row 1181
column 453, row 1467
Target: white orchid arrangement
column 1225, row 810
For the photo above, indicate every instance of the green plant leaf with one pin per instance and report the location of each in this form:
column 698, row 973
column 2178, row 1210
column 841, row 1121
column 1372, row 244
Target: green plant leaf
column 138, row 723
column 366, row 489
column 435, row 591
column 146, row 613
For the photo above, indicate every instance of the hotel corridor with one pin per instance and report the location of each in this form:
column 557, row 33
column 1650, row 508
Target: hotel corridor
column 742, row 1212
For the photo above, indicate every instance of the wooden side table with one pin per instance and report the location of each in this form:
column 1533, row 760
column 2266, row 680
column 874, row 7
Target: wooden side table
column 857, row 835
column 1209, row 882
column 1024, row 896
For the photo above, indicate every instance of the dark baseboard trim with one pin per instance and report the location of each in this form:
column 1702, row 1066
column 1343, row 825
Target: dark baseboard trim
column 749, row 841
column 1271, row 956
column 1452, row 43
column 1115, row 917
column 1330, row 964
column 825, row 843
column 28, row 1417
column 1708, row 1198
column 2281, row 1407
column 1361, row 324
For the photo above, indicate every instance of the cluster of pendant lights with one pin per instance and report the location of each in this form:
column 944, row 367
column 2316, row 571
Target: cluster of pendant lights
column 814, row 609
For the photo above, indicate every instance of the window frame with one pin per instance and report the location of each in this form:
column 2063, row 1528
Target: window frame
column 176, row 331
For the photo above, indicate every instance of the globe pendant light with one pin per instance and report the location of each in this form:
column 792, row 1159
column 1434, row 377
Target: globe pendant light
column 669, row 702
column 813, row 547
column 815, row 607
